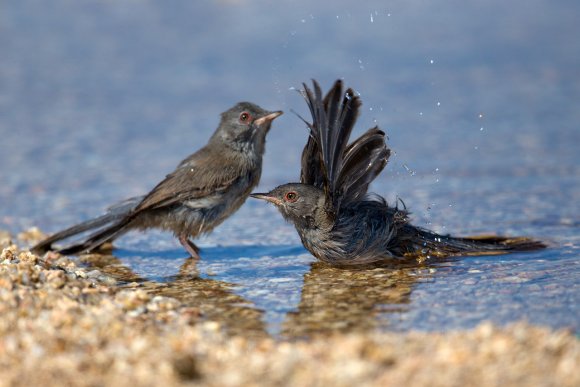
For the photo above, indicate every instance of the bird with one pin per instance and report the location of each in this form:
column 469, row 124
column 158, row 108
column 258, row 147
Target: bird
column 337, row 219
column 205, row 188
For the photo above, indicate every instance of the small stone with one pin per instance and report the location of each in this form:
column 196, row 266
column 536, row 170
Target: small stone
column 8, row 253
column 107, row 280
column 5, row 239
column 186, row 367
column 56, row 278
column 93, row 274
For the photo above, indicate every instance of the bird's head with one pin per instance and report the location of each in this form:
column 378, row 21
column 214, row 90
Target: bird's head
column 300, row 204
column 244, row 127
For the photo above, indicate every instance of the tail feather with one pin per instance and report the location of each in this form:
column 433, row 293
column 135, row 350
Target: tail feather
column 92, row 224
column 96, row 239
column 426, row 243
column 115, row 218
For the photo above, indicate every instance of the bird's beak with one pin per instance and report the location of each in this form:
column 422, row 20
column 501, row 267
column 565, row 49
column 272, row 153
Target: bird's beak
column 267, row 197
column 268, row 118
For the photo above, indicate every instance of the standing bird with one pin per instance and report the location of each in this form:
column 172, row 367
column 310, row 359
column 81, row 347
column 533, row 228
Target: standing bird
column 337, row 220
column 197, row 196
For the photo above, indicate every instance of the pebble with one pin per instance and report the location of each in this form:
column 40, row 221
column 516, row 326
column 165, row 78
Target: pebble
column 64, row 325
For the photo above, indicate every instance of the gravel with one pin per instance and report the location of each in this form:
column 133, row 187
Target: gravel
column 64, row 325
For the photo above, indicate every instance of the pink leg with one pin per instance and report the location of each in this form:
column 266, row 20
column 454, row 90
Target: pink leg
column 189, row 246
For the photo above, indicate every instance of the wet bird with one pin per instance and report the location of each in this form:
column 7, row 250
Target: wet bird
column 204, row 189
column 338, row 221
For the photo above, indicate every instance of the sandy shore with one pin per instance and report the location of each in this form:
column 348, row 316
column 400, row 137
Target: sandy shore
column 64, row 325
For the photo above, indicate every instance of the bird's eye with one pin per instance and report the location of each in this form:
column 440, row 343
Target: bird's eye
column 291, row 196
column 245, row 117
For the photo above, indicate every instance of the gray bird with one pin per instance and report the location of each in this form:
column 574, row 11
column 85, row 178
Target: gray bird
column 337, row 220
column 197, row 196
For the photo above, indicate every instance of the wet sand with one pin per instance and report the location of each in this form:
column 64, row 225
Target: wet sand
column 63, row 324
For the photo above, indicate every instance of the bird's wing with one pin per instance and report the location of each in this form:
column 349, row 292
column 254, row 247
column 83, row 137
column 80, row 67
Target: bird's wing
column 312, row 172
column 363, row 160
column 332, row 121
column 194, row 178
column 343, row 171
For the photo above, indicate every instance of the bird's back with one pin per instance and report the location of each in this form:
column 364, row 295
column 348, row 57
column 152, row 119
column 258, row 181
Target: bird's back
column 363, row 233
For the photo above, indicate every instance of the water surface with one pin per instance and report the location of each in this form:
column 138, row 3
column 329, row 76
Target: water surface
column 99, row 100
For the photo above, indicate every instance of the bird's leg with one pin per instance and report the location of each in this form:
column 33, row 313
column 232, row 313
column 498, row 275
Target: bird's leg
column 189, row 246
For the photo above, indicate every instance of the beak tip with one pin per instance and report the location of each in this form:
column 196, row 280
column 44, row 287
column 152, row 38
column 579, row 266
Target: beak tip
column 266, row 197
column 268, row 118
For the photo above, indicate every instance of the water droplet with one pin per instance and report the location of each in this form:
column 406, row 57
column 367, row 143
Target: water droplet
column 480, row 115
column 372, row 19
column 481, row 129
column 420, row 113
column 438, row 103
column 409, row 170
column 476, row 147
column 303, row 20
column 431, row 61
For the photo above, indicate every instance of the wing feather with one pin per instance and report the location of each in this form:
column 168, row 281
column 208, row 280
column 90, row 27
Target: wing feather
column 343, row 171
column 190, row 181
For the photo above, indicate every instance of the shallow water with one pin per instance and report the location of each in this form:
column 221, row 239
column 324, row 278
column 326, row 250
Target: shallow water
column 99, row 100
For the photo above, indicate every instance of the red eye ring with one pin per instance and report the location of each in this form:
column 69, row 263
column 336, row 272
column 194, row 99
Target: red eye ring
column 291, row 196
column 245, row 117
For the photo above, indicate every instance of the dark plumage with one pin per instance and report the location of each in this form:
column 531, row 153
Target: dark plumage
column 198, row 195
column 336, row 219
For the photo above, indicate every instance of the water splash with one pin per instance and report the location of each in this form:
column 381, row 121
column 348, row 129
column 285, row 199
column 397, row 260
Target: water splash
column 409, row 170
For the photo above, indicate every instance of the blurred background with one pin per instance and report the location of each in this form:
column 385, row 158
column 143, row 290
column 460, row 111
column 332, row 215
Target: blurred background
column 100, row 99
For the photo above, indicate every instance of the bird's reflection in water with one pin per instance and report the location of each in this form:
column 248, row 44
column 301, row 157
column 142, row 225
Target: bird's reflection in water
column 332, row 300
column 338, row 300
column 215, row 299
